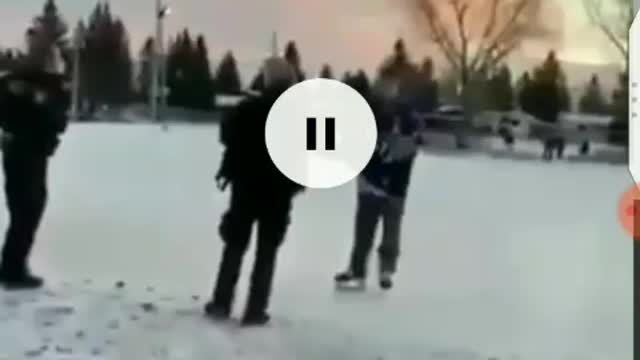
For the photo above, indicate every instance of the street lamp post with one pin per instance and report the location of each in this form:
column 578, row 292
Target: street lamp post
column 157, row 62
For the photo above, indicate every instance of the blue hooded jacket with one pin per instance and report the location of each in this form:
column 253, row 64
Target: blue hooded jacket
column 388, row 173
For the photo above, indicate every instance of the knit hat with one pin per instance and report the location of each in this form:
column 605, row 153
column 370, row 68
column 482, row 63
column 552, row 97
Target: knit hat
column 277, row 72
column 42, row 51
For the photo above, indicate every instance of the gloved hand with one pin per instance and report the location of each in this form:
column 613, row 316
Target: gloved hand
column 221, row 182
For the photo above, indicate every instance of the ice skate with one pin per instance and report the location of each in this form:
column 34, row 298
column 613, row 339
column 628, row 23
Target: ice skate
column 256, row 319
column 386, row 280
column 347, row 281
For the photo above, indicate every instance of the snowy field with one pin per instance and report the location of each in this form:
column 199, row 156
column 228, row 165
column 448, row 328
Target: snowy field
column 517, row 260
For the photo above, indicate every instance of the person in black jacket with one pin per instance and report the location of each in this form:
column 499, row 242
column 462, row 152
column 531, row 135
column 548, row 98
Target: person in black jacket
column 33, row 105
column 382, row 190
column 260, row 194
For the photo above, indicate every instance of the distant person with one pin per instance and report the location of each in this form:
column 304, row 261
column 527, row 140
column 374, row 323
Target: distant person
column 33, row 106
column 260, row 194
column 382, row 190
column 506, row 133
column 553, row 144
column 585, row 146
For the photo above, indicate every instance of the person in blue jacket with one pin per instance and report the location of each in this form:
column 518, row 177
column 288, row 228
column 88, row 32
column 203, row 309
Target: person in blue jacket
column 382, row 190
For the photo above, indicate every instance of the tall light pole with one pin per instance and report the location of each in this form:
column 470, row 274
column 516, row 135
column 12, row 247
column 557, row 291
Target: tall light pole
column 78, row 44
column 156, row 60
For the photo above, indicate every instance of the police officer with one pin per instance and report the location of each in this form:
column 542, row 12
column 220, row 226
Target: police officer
column 33, row 105
column 260, row 194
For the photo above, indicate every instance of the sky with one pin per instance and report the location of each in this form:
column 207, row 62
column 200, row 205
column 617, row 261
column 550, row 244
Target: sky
column 345, row 33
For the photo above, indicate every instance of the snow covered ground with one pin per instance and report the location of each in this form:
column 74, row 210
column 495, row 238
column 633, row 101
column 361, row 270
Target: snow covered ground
column 508, row 259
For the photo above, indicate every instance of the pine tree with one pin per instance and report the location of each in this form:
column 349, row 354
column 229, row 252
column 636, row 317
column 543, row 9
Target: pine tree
column 346, row 77
column 227, row 76
column 8, row 58
column 500, row 90
column 5, row 60
column 592, row 100
column 620, row 109
column 524, row 89
column 182, row 71
column 144, row 73
column 292, row 55
column 362, row 82
column 106, row 64
column 188, row 72
column 257, row 84
column 56, row 30
column 427, row 69
column 476, row 93
column 326, row 72
column 398, row 65
column 399, row 75
column 203, row 84
column 51, row 22
column 548, row 93
column 175, row 75
column 427, row 97
column 92, row 59
column 566, row 103
column 359, row 82
column 186, row 62
column 122, row 67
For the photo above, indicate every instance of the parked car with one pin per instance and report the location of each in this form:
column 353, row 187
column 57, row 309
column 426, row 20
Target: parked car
column 515, row 122
column 447, row 119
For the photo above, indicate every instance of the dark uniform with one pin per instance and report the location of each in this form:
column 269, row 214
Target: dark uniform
column 33, row 105
column 260, row 194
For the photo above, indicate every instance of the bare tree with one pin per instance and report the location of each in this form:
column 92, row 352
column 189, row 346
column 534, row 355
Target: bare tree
column 476, row 35
column 614, row 20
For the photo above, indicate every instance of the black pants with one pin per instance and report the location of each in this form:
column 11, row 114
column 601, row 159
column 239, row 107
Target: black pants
column 271, row 214
column 370, row 210
column 26, row 194
column 552, row 144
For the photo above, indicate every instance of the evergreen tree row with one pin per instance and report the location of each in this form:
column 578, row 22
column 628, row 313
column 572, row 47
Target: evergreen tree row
column 106, row 67
column 188, row 72
column 107, row 74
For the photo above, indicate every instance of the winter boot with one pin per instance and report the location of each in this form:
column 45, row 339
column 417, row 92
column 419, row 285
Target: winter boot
column 255, row 319
column 20, row 281
column 346, row 280
column 386, row 281
column 216, row 312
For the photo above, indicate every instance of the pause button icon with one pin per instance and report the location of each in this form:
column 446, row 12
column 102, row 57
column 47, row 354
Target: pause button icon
column 329, row 134
column 320, row 133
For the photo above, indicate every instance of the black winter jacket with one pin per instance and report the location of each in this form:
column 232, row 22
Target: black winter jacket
column 33, row 110
column 246, row 161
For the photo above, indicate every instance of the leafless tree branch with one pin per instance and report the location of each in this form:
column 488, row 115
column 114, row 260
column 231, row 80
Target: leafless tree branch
column 486, row 31
column 614, row 21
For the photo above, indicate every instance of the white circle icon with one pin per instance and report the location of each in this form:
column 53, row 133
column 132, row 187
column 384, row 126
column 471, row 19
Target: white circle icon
column 321, row 133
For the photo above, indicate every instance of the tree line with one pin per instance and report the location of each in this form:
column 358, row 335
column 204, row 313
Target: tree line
column 110, row 75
